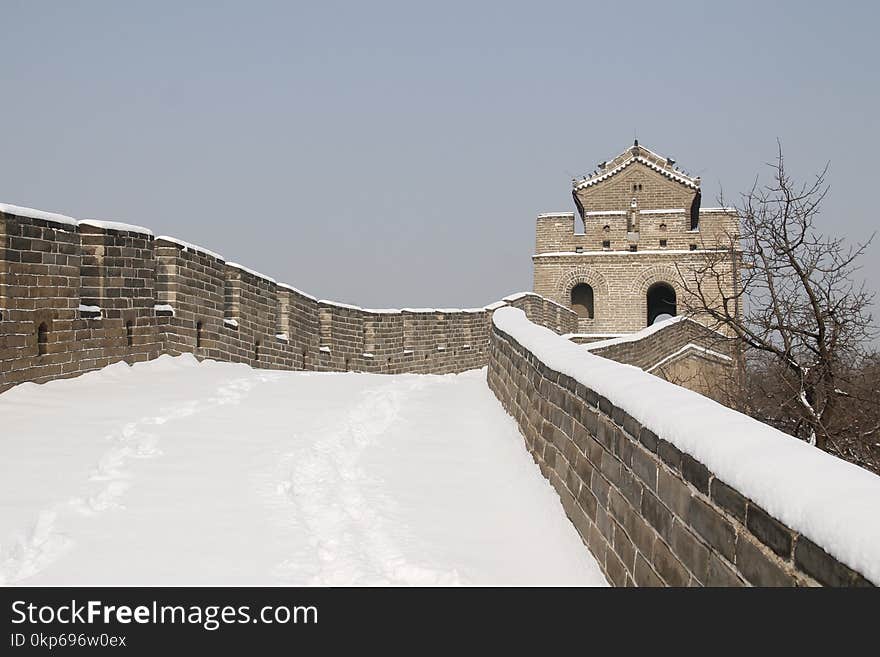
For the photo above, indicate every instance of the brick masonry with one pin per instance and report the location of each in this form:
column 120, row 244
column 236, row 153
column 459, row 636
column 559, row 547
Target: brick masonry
column 75, row 297
column 637, row 214
column 650, row 514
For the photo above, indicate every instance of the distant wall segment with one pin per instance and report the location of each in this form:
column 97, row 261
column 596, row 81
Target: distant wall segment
column 78, row 295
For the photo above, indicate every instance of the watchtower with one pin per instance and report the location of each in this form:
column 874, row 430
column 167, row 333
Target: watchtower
column 644, row 231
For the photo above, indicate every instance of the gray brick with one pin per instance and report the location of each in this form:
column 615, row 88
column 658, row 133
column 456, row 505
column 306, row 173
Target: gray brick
column 729, row 499
column 769, row 531
column 759, row 568
column 827, row 570
column 712, row 527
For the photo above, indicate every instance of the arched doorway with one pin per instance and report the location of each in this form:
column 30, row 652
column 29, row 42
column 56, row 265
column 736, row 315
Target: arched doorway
column 661, row 302
column 582, row 300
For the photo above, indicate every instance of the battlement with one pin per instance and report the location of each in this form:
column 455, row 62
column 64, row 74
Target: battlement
column 78, row 295
column 635, row 230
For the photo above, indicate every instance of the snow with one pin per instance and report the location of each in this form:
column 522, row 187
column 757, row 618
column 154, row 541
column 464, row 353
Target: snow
column 164, row 308
column 663, row 211
column 70, row 221
column 173, row 472
column 673, row 175
column 561, row 254
column 297, row 291
column 638, row 335
column 96, row 310
column 190, row 247
column 690, row 346
column 522, row 295
column 602, row 213
column 559, row 215
column 832, row 502
column 115, row 225
column 231, row 322
column 235, row 265
column 37, row 214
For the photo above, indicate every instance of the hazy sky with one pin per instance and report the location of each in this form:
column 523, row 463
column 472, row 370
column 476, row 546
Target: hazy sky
column 396, row 154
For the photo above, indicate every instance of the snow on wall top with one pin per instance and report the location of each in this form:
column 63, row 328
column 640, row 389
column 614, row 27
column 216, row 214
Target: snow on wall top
column 37, row 214
column 70, row 221
column 830, row 501
column 521, row 295
column 605, row 252
column 115, row 225
column 190, row 247
column 298, row 291
column 235, row 265
column 663, row 211
column 638, row 335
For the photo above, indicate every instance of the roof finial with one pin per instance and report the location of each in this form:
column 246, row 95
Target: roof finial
column 635, row 142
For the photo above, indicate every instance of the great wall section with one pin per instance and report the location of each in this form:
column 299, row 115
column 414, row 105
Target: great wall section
column 78, row 295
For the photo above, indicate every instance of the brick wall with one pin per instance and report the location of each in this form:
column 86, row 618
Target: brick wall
column 650, row 514
column 109, row 292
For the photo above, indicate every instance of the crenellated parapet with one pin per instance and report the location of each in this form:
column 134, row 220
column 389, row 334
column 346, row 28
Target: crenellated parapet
column 78, row 295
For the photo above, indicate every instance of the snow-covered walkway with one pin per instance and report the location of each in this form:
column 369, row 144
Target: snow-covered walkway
column 174, row 472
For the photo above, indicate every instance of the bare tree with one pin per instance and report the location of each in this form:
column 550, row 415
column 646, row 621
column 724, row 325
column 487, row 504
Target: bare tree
column 795, row 307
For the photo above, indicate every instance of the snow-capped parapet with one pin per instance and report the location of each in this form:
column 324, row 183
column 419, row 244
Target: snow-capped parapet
column 252, row 272
column 297, row 291
column 54, row 217
column 116, row 225
column 186, row 246
column 638, row 335
column 31, row 213
column 819, row 500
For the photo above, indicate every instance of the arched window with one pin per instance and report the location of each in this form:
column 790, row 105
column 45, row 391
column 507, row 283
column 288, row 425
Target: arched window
column 582, row 300
column 42, row 339
column 661, row 302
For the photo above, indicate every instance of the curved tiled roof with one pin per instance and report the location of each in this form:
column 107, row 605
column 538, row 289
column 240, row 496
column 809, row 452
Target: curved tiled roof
column 643, row 156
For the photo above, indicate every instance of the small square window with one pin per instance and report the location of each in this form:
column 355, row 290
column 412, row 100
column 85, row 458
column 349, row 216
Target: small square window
column 693, row 247
column 633, row 247
column 578, row 249
column 663, row 244
column 606, row 244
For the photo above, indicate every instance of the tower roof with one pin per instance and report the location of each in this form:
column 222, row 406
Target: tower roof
column 636, row 153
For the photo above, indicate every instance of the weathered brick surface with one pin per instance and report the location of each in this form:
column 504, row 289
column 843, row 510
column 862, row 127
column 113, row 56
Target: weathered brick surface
column 650, row 514
column 158, row 296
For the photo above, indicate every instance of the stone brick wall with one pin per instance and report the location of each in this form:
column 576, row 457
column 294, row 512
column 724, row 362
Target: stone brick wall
column 680, row 351
column 620, row 282
column 108, row 292
column 647, row 350
column 650, row 514
column 51, row 273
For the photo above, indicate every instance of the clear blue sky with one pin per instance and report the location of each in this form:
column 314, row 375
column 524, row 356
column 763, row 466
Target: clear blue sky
column 393, row 154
